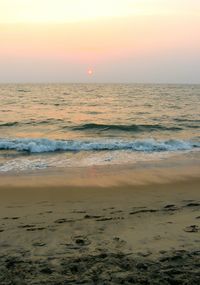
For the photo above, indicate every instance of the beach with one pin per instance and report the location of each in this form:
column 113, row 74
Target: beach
column 101, row 225
column 99, row 142
column 99, row 184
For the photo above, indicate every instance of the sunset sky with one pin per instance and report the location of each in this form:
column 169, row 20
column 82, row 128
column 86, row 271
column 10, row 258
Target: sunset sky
column 100, row 41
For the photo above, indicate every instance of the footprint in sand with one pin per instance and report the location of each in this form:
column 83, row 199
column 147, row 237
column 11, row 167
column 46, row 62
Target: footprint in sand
column 35, row 229
column 39, row 244
column 81, row 240
column 63, row 220
column 192, row 229
column 10, row 218
column 193, row 204
column 170, row 207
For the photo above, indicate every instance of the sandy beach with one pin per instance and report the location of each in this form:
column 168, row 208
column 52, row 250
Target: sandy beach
column 67, row 228
column 99, row 142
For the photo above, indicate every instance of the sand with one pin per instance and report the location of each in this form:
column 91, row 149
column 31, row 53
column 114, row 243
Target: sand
column 102, row 225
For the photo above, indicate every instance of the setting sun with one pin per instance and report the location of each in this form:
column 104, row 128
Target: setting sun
column 90, row 71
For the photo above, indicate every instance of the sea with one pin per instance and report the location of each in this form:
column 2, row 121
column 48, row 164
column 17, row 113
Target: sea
column 77, row 125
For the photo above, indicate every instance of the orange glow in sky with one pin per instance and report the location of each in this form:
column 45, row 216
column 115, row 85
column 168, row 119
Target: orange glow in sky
column 126, row 40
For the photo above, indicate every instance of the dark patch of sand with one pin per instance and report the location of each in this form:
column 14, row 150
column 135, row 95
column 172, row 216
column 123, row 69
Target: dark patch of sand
column 170, row 268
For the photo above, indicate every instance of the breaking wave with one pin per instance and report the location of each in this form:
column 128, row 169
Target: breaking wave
column 47, row 145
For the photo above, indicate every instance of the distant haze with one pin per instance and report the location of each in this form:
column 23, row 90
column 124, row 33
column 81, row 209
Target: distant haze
column 154, row 41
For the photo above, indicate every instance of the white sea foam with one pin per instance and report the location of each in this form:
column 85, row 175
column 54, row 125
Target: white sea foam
column 78, row 159
column 47, row 145
column 22, row 164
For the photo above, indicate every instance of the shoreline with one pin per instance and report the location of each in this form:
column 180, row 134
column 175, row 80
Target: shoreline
column 176, row 168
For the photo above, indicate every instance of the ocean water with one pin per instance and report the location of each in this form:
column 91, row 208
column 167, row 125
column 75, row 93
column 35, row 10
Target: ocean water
column 67, row 125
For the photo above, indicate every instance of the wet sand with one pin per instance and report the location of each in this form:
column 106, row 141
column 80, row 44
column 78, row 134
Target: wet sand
column 100, row 226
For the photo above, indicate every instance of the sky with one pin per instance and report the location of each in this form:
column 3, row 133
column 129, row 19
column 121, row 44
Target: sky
column 131, row 41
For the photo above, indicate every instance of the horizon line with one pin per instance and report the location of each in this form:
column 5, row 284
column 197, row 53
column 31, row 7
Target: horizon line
column 108, row 82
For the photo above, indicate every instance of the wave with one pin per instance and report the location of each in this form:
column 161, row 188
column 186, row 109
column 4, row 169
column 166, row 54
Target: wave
column 47, row 145
column 103, row 127
column 188, row 123
column 8, row 124
column 187, row 120
column 31, row 122
column 23, row 90
column 126, row 128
